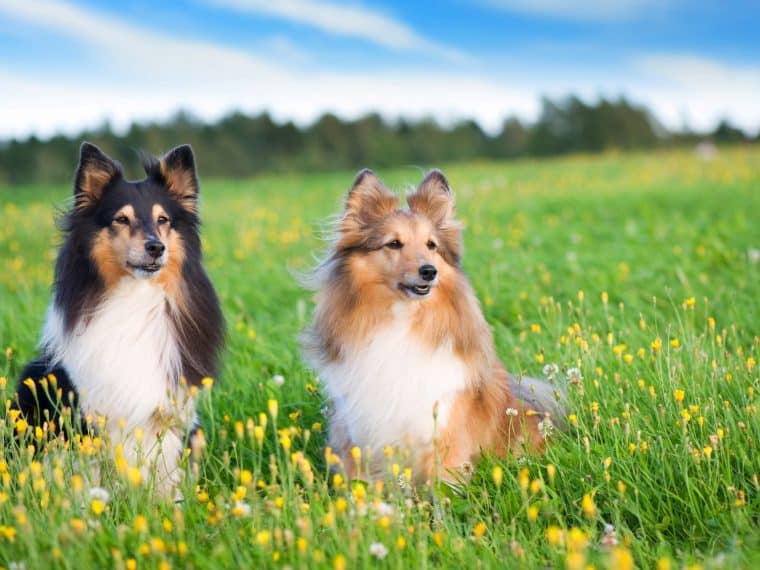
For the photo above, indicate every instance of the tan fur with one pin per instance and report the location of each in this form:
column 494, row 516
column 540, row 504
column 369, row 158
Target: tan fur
column 109, row 254
column 171, row 274
column 95, row 177
column 182, row 184
column 112, row 246
column 361, row 287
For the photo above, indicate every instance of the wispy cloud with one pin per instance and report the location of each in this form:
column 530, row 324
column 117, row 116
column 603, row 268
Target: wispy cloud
column 135, row 47
column 351, row 21
column 589, row 10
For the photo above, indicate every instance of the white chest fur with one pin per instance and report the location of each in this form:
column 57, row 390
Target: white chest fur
column 123, row 358
column 384, row 392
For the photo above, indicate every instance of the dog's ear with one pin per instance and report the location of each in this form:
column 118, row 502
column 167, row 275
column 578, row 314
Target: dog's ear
column 369, row 200
column 95, row 172
column 433, row 198
column 177, row 168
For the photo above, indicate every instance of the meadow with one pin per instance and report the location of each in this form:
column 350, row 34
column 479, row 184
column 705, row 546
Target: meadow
column 634, row 279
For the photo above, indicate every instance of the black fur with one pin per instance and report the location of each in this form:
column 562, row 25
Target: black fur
column 48, row 399
column 78, row 287
column 200, row 328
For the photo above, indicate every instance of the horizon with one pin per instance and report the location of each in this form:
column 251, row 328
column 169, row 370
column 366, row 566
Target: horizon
column 68, row 67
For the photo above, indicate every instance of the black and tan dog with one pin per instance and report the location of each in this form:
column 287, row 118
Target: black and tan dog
column 134, row 320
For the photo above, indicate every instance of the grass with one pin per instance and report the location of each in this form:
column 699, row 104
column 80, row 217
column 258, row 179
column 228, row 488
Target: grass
column 640, row 270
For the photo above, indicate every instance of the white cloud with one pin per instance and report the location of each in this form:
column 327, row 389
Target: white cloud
column 701, row 91
column 46, row 107
column 352, row 21
column 593, row 10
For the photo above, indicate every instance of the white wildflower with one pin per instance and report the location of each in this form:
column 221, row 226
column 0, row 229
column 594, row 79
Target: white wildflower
column 574, row 375
column 384, row 509
column 378, row 550
column 511, row 411
column 551, row 370
column 278, row 379
column 241, row 509
column 545, row 427
column 609, row 538
column 99, row 494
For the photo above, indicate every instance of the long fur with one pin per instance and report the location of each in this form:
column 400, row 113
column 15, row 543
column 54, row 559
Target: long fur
column 120, row 342
column 415, row 372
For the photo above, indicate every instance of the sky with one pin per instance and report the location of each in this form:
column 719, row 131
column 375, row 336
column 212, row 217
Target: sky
column 66, row 65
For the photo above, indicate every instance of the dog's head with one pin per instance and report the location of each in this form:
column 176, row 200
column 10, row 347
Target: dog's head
column 136, row 228
column 410, row 250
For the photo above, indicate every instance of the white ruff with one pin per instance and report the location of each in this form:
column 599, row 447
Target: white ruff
column 384, row 392
column 124, row 361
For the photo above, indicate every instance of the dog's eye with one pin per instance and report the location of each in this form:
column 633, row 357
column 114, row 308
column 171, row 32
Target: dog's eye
column 123, row 220
column 394, row 244
column 162, row 220
column 431, row 245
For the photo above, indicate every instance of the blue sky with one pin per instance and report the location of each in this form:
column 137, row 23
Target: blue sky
column 66, row 64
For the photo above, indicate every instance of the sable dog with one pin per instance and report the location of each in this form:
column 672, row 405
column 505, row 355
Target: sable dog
column 402, row 346
column 134, row 320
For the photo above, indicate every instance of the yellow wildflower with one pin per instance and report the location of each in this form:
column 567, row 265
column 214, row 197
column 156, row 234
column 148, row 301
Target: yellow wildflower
column 498, row 475
column 588, row 505
column 140, row 524
column 263, row 538
column 97, row 507
column 134, row 475
column 620, row 559
column 554, row 535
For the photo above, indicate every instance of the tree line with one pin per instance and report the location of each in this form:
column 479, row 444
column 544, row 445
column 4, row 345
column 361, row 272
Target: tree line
column 240, row 145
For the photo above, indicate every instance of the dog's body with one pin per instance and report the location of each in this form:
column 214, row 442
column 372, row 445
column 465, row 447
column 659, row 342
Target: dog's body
column 402, row 346
column 134, row 321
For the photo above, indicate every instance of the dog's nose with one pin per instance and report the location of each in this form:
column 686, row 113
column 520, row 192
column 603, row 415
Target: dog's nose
column 428, row 272
column 154, row 247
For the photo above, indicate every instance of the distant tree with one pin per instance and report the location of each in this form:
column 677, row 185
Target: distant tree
column 512, row 139
column 570, row 125
column 725, row 132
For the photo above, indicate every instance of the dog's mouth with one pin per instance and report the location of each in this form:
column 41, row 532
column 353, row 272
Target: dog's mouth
column 415, row 290
column 148, row 268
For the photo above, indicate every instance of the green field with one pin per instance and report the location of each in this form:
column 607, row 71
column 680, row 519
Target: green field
column 642, row 270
